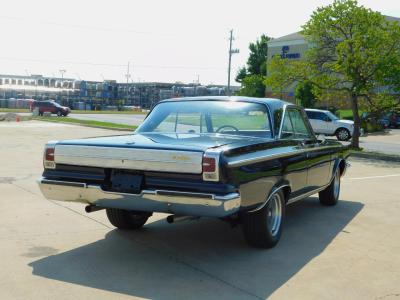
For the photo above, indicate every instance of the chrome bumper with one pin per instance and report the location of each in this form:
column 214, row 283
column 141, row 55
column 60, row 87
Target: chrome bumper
column 174, row 202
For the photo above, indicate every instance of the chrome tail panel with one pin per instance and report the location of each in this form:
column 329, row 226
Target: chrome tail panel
column 130, row 158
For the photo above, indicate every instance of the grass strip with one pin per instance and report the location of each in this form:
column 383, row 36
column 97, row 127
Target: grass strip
column 375, row 155
column 90, row 123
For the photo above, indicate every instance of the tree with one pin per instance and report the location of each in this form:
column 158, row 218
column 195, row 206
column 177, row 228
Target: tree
column 305, row 95
column 252, row 77
column 354, row 50
column 252, row 86
column 257, row 61
column 241, row 74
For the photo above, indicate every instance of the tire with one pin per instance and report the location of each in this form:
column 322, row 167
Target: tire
column 40, row 114
column 343, row 134
column 59, row 113
column 125, row 219
column 330, row 195
column 263, row 228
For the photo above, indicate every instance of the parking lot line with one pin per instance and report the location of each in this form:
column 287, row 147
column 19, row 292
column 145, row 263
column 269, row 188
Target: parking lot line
column 373, row 177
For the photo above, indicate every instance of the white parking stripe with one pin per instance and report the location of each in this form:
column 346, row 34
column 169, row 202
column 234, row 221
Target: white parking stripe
column 373, row 177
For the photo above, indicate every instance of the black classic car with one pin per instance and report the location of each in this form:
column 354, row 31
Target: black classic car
column 235, row 158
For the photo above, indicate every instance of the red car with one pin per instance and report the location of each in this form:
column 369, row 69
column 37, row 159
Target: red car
column 52, row 107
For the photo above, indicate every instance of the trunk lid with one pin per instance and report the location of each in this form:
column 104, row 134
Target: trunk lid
column 179, row 153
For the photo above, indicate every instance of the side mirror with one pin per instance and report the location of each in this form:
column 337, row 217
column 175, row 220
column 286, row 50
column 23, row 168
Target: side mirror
column 321, row 138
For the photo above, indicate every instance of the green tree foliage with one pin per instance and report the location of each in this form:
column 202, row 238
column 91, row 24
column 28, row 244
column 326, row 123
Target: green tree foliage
column 354, row 50
column 252, row 86
column 257, row 61
column 304, row 94
column 251, row 76
column 241, row 74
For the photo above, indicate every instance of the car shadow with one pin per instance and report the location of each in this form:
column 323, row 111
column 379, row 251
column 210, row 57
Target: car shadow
column 201, row 259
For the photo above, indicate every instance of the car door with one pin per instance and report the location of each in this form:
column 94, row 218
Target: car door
column 321, row 123
column 319, row 156
column 294, row 166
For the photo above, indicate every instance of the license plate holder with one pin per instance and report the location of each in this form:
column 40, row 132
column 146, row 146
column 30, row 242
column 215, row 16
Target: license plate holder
column 125, row 182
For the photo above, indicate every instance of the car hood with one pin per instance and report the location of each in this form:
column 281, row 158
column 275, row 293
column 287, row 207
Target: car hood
column 166, row 141
column 348, row 122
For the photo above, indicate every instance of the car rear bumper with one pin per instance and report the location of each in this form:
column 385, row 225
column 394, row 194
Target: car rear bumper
column 166, row 201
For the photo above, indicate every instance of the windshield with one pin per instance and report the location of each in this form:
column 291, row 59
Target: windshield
column 208, row 117
column 331, row 116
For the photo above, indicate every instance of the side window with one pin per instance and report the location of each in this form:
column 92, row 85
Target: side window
column 299, row 124
column 287, row 128
column 321, row 116
column 311, row 114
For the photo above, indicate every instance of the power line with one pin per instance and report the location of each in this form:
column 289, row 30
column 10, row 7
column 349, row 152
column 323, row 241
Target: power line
column 109, row 65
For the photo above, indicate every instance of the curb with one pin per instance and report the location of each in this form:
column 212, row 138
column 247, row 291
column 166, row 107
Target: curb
column 376, row 156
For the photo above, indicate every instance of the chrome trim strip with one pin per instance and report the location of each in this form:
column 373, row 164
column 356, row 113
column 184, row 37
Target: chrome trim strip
column 269, row 197
column 255, row 157
column 130, row 158
column 187, row 203
column 300, row 197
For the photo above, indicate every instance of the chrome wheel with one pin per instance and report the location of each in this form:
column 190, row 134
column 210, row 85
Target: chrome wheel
column 336, row 185
column 343, row 135
column 274, row 214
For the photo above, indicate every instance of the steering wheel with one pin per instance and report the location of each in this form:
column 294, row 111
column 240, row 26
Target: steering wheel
column 226, row 126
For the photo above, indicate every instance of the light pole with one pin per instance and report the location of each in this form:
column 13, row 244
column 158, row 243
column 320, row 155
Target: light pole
column 231, row 51
column 62, row 71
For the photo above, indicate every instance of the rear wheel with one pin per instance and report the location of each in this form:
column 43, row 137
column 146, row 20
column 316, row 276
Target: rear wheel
column 263, row 228
column 126, row 219
column 59, row 113
column 330, row 195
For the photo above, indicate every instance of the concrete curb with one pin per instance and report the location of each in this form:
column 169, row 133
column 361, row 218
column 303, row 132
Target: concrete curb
column 376, row 156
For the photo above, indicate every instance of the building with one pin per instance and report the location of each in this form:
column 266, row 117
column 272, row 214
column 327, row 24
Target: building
column 293, row 47
column 90, row 95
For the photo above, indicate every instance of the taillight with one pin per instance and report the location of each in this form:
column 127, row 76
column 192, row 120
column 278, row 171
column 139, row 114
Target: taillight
column 48, row 157
column 210, row 166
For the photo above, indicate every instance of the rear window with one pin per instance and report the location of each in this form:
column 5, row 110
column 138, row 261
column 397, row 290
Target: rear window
column 223, row 117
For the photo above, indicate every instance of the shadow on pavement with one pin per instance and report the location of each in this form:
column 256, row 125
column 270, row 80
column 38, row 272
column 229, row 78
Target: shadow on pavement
column 199, row 259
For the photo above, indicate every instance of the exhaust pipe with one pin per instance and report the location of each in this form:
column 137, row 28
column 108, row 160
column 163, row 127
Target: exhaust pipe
column 174, row 218
column 92, row 208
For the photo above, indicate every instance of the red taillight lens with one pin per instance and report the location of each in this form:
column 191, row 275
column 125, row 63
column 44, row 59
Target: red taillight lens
column 49, row 154
column 209, row 164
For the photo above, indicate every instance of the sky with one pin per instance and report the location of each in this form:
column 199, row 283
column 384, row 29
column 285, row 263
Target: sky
column 163, row 41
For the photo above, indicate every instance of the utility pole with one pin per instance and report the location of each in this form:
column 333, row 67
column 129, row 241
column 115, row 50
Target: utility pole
column 62, row 71
column 231, row 51
column 128, row 75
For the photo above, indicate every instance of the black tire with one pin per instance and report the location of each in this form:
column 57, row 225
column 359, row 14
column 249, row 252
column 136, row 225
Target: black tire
column 343, row 134
column 257, row 228
column 330, row 195
column 40, row 114
column 125, row 219
column 59, row 113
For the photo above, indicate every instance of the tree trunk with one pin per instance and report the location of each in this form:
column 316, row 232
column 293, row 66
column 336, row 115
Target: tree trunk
column 355, row 142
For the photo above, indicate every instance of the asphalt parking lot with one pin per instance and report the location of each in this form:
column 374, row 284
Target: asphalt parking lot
column 52, row 250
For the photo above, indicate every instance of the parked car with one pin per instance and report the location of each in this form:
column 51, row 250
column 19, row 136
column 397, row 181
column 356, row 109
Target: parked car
column 375, row 121
column 394, row 119
column 325, row 122
column 50, row 106
column 235, row 158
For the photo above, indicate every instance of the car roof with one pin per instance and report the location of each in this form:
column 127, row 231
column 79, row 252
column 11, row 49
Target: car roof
column 314, row 109
column 273, row 103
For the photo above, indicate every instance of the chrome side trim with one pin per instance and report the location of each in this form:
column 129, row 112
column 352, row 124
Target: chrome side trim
column 176, row 202
column 130, row 158
column 300, row 197
column 274, row 191
column 262, row 155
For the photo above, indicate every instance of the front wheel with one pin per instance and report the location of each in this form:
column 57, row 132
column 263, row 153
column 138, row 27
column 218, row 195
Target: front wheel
column 125, row 219
column 330, row 195
column 263, row 228
column 343, row 134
